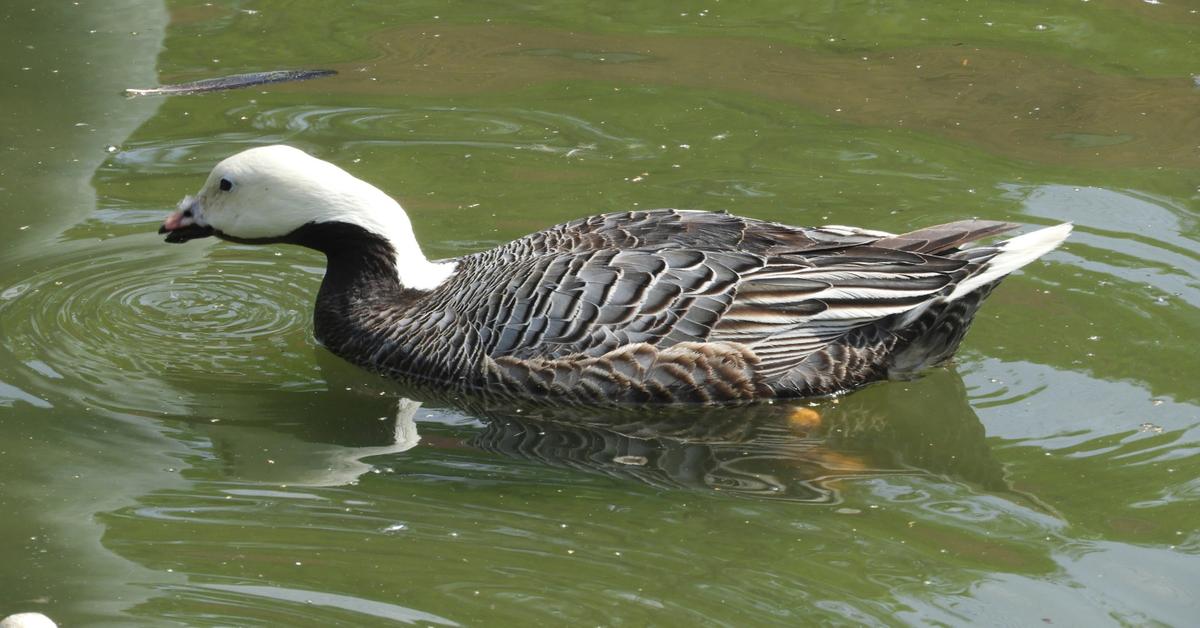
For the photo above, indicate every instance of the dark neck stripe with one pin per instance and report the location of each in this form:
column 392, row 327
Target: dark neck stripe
column 352, row 251
column 361, row 283
column 322, row 236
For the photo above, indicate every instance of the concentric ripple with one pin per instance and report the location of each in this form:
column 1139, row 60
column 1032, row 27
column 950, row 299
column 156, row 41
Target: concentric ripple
column 471, row 130
column 498, row 128
column 141, row 321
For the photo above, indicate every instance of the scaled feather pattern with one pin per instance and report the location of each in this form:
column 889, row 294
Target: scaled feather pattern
column 671, row 306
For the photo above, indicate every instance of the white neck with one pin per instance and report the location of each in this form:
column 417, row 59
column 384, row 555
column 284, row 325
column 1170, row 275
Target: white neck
column 369, row 207
column 414, row 270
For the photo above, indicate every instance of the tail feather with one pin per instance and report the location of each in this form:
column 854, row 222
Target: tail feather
column 1011, row 255
column 943, row 238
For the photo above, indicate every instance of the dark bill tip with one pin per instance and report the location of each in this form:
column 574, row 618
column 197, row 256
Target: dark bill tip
column 183, row 234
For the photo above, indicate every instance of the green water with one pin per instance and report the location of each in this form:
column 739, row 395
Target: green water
column 176, row 450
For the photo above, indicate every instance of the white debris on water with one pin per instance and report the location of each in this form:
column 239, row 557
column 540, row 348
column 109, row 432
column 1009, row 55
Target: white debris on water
column 27, row 620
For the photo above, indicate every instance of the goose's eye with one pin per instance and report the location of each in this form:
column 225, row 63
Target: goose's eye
column 226, row 185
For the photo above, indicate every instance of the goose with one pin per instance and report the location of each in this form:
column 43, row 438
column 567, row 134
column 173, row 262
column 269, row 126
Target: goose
column 646, row 306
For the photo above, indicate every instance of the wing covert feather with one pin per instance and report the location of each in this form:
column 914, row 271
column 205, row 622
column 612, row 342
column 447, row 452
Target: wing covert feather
column 667, row 277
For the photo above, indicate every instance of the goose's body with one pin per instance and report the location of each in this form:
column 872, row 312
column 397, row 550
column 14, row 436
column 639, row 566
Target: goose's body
column 648, row 306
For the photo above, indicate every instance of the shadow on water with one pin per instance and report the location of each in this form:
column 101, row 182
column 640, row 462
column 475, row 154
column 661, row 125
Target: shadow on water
column 798, row 451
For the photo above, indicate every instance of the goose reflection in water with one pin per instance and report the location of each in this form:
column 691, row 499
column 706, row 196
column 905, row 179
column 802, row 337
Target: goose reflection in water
column 796, row 451
column 787, row 451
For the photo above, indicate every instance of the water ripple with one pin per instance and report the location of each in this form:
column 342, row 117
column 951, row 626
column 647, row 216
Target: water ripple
column 503, row 129
column 499, row 129
column 139, row 317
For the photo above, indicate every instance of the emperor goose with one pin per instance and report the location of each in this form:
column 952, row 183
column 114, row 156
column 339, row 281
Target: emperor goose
column 662, row 305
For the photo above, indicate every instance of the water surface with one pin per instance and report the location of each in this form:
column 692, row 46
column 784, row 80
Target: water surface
column 176, row 450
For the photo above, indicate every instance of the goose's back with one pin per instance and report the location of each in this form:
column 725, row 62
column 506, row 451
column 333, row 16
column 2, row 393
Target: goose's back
column 669, row 305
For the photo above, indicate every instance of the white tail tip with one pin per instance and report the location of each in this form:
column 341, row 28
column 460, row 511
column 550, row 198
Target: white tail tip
column 1014, row 254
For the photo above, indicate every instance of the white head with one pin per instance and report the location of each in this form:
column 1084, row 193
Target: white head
column 265, row 194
